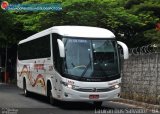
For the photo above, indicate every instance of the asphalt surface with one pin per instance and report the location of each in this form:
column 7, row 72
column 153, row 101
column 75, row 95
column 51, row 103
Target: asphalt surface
column 12, row 101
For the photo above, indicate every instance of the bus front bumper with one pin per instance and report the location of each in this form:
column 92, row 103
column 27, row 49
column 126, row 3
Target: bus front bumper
column 73, row 95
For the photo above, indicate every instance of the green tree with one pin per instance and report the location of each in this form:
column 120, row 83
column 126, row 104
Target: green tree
column 130, row 20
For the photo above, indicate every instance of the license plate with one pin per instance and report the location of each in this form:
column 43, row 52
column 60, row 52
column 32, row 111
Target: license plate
column 93, row 96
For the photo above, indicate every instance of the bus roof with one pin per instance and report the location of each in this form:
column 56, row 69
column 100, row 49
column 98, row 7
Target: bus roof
column 73, row 31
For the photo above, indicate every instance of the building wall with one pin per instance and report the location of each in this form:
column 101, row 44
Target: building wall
column 141, row 78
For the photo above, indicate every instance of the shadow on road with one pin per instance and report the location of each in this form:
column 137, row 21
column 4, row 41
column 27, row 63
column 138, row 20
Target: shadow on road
column 78, row 106
column 36, row 97
column 65, row 105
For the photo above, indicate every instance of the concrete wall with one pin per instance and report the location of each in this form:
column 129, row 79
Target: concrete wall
column 141, row 78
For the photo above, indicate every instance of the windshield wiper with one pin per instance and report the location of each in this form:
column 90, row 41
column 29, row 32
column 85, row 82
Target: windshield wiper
column 85, row 70
column 88, row 65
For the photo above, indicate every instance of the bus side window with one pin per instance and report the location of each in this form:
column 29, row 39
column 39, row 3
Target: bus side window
column 56, row 55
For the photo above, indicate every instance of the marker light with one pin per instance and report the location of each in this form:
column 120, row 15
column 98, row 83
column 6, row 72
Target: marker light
column 71, row 86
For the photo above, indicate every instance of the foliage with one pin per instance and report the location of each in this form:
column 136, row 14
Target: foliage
column 6, row 23
column 132, row 21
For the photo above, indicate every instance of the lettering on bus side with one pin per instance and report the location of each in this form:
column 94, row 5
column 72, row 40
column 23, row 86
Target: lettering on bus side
column 70, row 82
column 39, row 66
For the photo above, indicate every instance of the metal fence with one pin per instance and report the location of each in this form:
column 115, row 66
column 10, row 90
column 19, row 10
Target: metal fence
column 147, row 49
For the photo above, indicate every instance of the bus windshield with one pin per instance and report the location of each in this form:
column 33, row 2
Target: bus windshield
column 91, row 58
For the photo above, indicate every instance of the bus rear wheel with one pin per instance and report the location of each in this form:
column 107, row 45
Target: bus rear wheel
column 26, row 93
column 97, row 103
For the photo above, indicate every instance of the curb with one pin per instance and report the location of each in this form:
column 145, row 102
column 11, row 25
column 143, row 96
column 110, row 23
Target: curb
column 139, row 104
column 8, row 84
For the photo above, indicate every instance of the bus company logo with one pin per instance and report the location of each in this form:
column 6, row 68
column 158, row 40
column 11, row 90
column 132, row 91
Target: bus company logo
column 94, row 90
column 4, row 5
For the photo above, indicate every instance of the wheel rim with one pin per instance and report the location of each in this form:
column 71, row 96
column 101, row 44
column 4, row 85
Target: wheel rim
column 25, row 91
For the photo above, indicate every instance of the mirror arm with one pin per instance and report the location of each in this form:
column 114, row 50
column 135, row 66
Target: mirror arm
column 125, row 49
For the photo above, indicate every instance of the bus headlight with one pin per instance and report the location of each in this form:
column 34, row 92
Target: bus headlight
column 114, row 87
column 71, row 86
column 117, row 86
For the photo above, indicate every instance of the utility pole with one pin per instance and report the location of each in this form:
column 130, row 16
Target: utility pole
column 0, row 69
column 5, row 73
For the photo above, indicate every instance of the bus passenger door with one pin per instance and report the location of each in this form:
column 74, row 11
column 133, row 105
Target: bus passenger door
column 57, row 61
column 57, row 84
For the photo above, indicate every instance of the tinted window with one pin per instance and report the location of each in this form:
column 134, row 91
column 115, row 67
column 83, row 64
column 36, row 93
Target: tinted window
column 91, row 59
column 38, row 48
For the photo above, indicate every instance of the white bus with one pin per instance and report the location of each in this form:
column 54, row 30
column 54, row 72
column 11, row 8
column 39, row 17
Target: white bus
column 71, row 63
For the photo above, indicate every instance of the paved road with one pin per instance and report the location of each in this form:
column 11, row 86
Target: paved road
column 12, row 101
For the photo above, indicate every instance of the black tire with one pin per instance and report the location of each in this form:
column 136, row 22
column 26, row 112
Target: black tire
column 51, row 100
column 26, row 93
column 97, row 103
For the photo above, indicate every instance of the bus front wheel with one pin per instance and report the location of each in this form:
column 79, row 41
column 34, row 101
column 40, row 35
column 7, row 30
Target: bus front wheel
column 52, row 101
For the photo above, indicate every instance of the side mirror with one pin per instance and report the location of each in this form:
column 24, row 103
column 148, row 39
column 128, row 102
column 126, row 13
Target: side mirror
column 61, row 48
column 125, row 49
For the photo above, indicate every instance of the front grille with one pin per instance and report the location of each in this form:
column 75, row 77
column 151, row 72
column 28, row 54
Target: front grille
column 95, row 89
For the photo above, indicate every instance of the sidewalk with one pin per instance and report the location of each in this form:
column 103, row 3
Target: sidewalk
column 137, row 104
column 8, row 84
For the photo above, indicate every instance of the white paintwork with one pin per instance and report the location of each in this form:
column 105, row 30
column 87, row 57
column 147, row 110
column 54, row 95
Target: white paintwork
column 50, row 74
column 74, row 31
